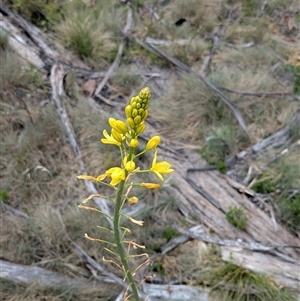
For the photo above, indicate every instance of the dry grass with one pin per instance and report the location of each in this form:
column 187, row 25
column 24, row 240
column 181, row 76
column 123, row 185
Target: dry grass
column 87, row 35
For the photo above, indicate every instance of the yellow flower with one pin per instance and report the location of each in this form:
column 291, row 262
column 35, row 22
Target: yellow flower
column 117, row 174
column 160, row 168
column 150, row 185
column 109, row 139
column 133, row 200
column 153, row 142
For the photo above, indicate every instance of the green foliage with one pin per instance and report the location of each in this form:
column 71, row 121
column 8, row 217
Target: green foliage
column 289, row 206
column 4, row 197
column 221, row 167
column 218, row 146
column 265, row 184
column 169, row 233
column 157, row 267
column 294, row 70
column 14, row 73
column 233, row 283
column 250, row 7
column 237, row 217
column 40, row 12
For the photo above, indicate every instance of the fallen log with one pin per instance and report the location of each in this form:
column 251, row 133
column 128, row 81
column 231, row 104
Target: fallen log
column 284, row 273
column 28, row 275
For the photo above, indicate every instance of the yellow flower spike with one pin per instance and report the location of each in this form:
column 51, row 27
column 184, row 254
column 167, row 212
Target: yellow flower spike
column 160, row 168
column 153, row 142
column 133, row 200
column 117, row 136
column 150, row 185
column 117, row 174
column 109, row 139
column 130, row 166
column 134, row 143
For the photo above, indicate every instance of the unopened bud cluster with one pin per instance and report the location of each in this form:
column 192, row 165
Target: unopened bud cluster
column 137, row 111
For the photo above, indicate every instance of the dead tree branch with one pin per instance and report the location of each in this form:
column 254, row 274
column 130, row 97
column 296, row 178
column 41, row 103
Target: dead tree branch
column 58, row 96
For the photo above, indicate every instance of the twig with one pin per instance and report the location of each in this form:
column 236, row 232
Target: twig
column 58, row 94
column 117, row 60
column 279, row 95
column 13, row 210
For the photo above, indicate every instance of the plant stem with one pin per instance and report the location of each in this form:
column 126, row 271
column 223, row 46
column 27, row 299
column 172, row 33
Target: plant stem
column 117, row 217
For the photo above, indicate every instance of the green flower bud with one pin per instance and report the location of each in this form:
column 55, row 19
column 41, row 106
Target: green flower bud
column 145, row 115
column 141, row 112
column 134, row 113
column 131, row 123
column 128, row 110
column 141, row 128
column 137, row 119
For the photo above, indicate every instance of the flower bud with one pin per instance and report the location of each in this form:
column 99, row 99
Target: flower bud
column 128, row 110
column 131, row 123
column 137, row 119
column 130, row 166
column 153, row 142
column 141, row 128
column 133, row 200
column 134, row 143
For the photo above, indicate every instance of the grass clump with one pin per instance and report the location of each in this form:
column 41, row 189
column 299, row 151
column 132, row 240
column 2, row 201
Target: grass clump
column 237, row 217
column 4, row 196
column 42, row 13
column 87, row 36
column 233, row 283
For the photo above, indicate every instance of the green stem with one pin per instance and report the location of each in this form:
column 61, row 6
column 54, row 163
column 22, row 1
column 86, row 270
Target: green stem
column 117, row 218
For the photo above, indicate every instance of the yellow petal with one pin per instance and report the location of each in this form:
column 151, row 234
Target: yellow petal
column 150, row 185
column 86, row 177
column 140, row 223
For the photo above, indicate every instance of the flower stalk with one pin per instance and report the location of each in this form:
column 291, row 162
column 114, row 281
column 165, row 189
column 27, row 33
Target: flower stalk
column 125, row 136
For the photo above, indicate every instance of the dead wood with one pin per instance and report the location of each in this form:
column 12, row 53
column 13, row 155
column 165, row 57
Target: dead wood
column 24, row 274
column 284, row 273
column 58, row 97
